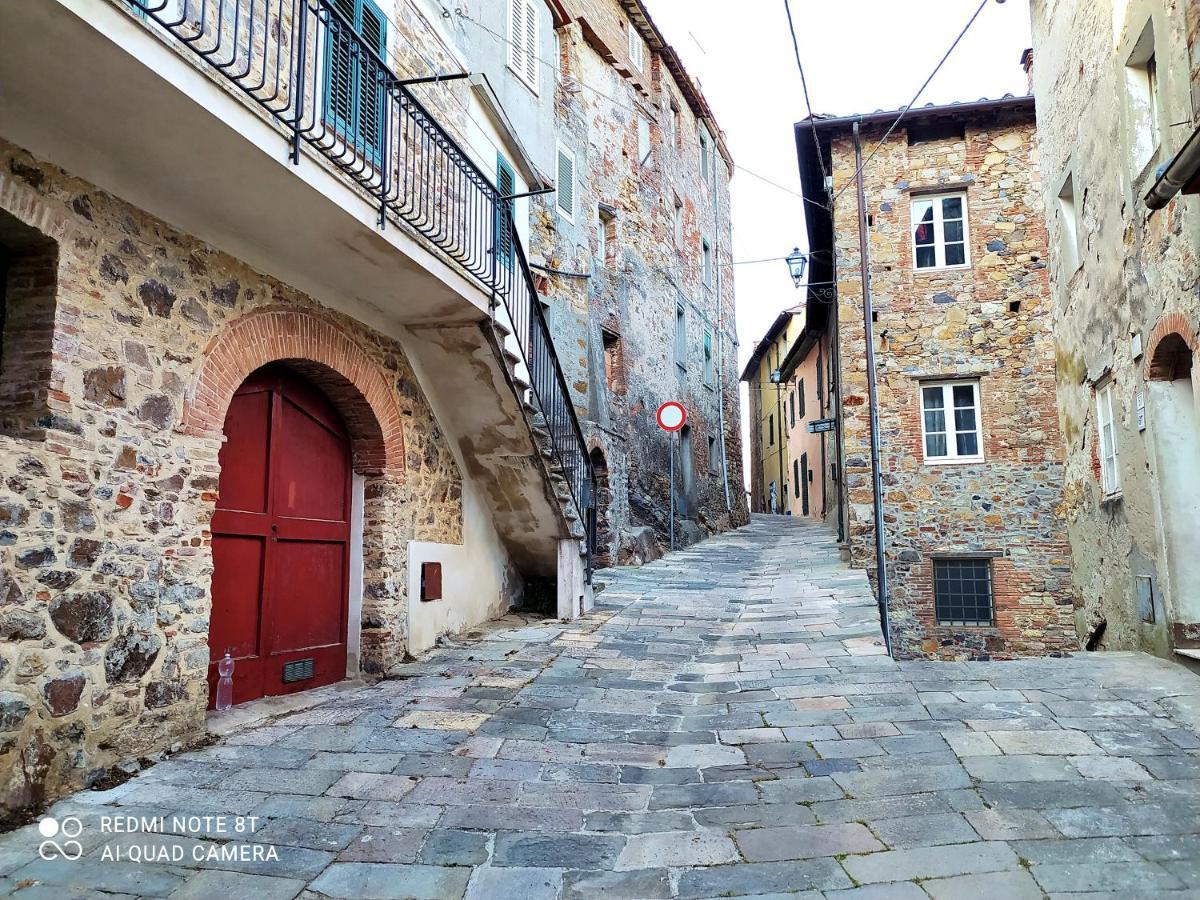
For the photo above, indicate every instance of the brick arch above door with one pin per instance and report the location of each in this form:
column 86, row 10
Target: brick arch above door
column 1172, row 324
column 321, row 351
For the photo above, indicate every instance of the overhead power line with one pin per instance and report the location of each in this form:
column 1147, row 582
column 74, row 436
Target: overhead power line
column 619, row 104
column 787, row 6
column 912, row 102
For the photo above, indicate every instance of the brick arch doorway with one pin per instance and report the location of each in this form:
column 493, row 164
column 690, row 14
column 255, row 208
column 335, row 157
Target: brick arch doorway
column 604, row 533
column 281, row 538
column 1175, row 424
column 313, row 345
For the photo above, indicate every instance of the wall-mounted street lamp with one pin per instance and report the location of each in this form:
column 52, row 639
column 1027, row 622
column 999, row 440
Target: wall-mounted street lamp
column 796, row 262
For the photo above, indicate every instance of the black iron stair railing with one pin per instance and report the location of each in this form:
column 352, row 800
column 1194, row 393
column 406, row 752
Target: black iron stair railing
column 318, row 68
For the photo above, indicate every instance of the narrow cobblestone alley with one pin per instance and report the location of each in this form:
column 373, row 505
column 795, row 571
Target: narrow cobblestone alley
column 724, row 724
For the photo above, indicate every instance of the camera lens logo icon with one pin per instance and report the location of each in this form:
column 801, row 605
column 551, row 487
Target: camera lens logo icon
column 51, row 828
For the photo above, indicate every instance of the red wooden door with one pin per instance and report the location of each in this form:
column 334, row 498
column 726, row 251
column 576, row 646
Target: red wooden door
column 281, row 539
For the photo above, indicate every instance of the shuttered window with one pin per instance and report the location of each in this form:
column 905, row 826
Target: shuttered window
column 523, row 30
column 353, row 94
column 506, row 181
column 636, row 53
column 565, row 187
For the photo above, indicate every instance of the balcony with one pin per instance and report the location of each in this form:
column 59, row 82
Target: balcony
column 274, row 130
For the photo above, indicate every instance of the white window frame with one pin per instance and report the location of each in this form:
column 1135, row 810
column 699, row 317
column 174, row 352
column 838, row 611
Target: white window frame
column 952, row 455
column 939, row 234
column 637, row 53
column 568, row 213
column 1107, row 447
column 523, row 43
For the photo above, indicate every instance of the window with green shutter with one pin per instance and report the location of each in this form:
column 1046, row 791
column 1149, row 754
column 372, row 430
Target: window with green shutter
column 506, row 181
column 353, row 103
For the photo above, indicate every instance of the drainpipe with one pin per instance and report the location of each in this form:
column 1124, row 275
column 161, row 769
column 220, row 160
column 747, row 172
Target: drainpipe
column 721, row 389
column 835, row 348
column 872, row 398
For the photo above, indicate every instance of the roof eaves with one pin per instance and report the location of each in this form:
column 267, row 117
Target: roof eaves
column 767, row 339
column 822, row 123
column 640, row 16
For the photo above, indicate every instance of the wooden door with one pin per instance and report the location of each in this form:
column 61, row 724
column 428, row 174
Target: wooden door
column 281, row 539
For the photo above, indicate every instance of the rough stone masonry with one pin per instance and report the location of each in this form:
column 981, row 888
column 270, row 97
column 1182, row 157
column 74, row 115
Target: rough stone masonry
column 649, row 320
column 988, row 322
column 108, row 472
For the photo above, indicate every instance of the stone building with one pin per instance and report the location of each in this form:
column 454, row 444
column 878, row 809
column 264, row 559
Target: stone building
column 768, row 403
column 971, row 461
column 276, row 377
column 648, row 223
column 1118, row 87
column 299, row 377
column 629, row 247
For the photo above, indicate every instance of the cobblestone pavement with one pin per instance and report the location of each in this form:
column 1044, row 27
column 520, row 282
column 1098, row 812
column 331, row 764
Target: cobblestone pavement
column 724, row 724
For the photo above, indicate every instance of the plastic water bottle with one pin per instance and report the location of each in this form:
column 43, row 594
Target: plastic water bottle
column 225, row 684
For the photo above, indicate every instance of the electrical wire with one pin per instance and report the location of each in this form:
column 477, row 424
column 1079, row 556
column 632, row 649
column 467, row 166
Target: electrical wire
column 555, row 67
column 778, row 186
column 909, row 105
column 787, row 6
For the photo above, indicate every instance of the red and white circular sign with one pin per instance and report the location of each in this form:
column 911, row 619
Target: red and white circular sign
column 671, row 416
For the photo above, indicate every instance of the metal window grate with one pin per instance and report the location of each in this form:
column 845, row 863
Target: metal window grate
column 962, row 591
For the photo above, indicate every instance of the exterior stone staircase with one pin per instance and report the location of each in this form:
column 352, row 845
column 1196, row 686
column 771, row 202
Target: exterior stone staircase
column 481, row 392
column 540, row 431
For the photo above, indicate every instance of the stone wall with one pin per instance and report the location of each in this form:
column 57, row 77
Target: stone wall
column 991, row 321
column 1136, row 280
column 106, row 495
column 627, row 295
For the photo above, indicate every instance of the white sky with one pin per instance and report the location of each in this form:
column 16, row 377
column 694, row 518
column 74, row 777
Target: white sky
column 859, row 56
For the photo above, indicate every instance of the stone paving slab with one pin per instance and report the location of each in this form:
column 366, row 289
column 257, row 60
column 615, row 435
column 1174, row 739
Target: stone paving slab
column 725, row 723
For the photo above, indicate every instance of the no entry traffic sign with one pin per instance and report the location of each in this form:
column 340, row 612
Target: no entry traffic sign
column 671, row 416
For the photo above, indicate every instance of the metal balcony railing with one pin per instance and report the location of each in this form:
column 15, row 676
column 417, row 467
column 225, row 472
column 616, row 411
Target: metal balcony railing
column 318, row 68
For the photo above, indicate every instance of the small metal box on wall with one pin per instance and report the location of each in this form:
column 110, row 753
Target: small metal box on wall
column 431, row 581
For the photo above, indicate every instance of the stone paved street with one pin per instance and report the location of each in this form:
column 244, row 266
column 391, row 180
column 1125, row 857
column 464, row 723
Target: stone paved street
column 724, row 724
